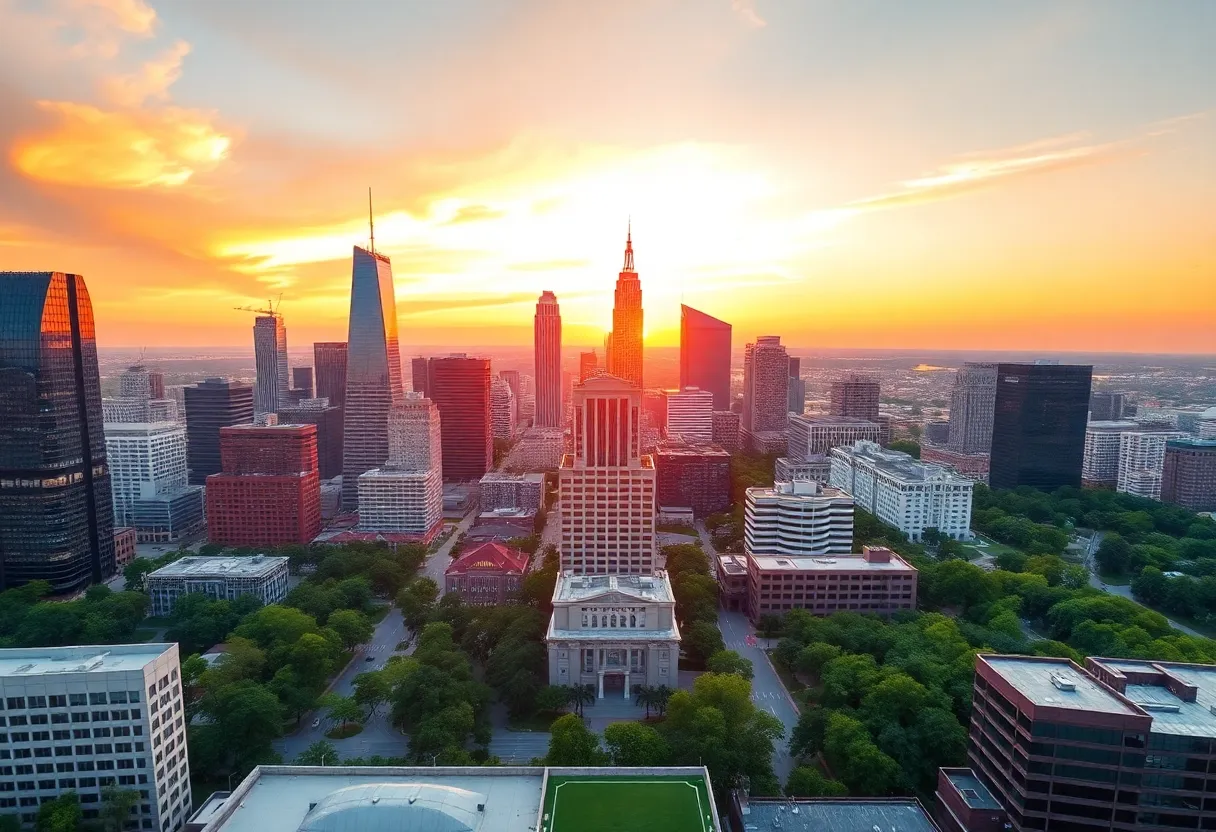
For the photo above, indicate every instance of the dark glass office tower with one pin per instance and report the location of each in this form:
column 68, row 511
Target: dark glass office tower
column 210, row 405
column 329, row 359
column 1038, row 425
column 56, row 514
column 705, row 354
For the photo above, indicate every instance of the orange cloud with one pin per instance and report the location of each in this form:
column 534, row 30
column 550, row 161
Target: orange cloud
column 152, row 81
column 128, row 149
column 101, row 21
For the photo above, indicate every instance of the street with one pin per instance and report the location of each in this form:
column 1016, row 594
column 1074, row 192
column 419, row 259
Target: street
column 767, row 690
column 438, row 562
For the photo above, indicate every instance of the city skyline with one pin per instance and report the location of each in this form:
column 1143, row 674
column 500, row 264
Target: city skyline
column 989, row 192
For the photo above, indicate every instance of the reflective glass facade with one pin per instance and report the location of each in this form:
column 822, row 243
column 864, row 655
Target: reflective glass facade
column 1038, row 425
column 373, row 370
column 56, row 515
column 705, row 354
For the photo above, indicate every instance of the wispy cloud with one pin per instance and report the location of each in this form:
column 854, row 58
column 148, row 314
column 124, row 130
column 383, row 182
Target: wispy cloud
column 746, row 9
column 151, row 81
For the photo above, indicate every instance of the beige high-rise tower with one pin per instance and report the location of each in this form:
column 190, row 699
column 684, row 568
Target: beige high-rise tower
column 625, row 341
column 607, row 486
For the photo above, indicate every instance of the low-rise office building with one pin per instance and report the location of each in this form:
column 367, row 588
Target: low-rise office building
column 108, row 715
column 828, row 814
column 613, row 632
column 877, row 582
column 964, row 803
column 220, row 578
column 732, row 582
column 911, row 496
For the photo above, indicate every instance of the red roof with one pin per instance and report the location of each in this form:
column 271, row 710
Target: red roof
column 489, row 557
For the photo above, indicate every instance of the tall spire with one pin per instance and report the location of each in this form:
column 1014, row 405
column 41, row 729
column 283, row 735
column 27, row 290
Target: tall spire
column 371, row 222
column 629, row 247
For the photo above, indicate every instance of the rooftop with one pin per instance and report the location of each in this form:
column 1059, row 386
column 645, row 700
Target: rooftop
column 47, row 661
column 827, row 419
column 1057, row 683
column 829, row 563
column 798, row 488
column 492, row 556
column 686, row 447
column 974, row 793
column 1191, row 443
column 837, row 815
column 219, row 567
column 571, row 588
column 1149, row 683
column 732, row 564
column 1115, row 426
column 503, row 476
column 898, row 464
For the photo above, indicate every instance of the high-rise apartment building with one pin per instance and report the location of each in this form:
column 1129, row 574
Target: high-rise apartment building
column 503, row 413
column 547, row 355
column 1189, row 474
column 797, row 387
column 329, row 362
column 1100, row 458
column 405, row 495
column 910, row 495
column 690, row 414
column 141, row 398
column 269, row 492
column 855, row 396
column 588, row 365
column 1121, row 745
column 1038, row 426
column 420, row 374
column 302, row 380
column 56, row 516
column 766, row 373
column 1141, row 461
column 692, row 475
column 373, row 369
column 625, row 359
column 797, row 518
column 607, row 486
column 971, row 405
column 329, row 422
column 1106, row 406
column 124, row 703
column 270, row 358
column 460, row 388
column 138, row 382
column 705, row 354
column 212, row 404
column 148, row 476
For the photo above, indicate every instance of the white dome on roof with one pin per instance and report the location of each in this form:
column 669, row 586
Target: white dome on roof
column 399, row 807
column 1210, row 413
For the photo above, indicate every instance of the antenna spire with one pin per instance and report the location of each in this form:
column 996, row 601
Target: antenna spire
column 371, row 221
column 629, row 247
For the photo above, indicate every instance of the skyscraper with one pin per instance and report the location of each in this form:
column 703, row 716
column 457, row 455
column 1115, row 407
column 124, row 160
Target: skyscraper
column 625, row 358
column 270, row 358
column 212, row 404
column 689, row 414
column 405, row 495
column 1106, row 407
column 420, row 374
column 329, row 361
column 56, row 515
column 301, row 379
column 547, row 349
column 503, row 413
column 705, row 354
column 460, row 388
column 138, row 382
column 328, row 420
column 855, row 396
column 797, row 387
column 607, row 485
column 588, row 365
column 971, row 404
column 373, row 370
column 1038, row 425
column 766, row 372
column 148, row 479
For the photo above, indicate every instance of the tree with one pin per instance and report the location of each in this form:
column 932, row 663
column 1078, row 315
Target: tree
column 312, row 657
column 351, row 626
column 807, row 781
column 62, row 814
column 636, row 745
column 417, row 602
column 643, row 696
column 572, row 744
column 580, row 695
column 702, row 640
column 342, row 709
column 10, row 823
column 372, row 690
column 552, row 698
column 907, row 446
column 1113, row 554
column 116, row 806
column 813, row 657
column 728, row 661
column 245, row 717
column 320, row 753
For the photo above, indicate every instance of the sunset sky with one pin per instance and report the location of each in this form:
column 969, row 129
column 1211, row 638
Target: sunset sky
column 843, row 173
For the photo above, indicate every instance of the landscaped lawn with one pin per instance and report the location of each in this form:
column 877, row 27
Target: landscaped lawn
column 992, row 548
column 625, row 803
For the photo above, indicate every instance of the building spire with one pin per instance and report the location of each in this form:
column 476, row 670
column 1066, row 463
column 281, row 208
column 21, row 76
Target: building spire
column 371, row 222
column 629, row 247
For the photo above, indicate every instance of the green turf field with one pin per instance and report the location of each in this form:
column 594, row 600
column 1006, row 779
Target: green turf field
column 624, row 803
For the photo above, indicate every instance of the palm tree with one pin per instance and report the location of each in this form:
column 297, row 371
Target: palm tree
column 581, row 695
column 643, row 696
column 661, row 694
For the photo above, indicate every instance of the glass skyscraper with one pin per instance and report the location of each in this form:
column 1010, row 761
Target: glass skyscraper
column 56, row 512
column 373, row 370
column 705, row 354
column 1038, row 425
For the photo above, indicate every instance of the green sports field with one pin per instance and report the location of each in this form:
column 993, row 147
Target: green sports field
column 624, row 803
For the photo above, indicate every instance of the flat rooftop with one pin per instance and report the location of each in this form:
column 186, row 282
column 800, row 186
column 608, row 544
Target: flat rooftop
column 503, row 476
column 974, row 793
column 837, row 815
column 219, row 567
column 829, row 563
column 609, row 803
column 655, row 587
column 827, row 420
column 1047, row 683
column 23, row 662
column 899, row 465
column 1171, row 714
column 732, row 564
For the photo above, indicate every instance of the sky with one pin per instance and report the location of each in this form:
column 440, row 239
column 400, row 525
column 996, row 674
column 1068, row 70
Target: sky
column 843, row 173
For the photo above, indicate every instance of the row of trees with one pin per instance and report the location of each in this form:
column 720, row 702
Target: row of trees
column 65, row 814
column 696, row 596
column 100, row 617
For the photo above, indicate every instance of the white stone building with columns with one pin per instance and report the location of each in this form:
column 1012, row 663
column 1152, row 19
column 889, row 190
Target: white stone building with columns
column 613, row 632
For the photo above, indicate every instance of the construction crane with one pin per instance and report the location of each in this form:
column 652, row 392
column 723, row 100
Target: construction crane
column 270, row 309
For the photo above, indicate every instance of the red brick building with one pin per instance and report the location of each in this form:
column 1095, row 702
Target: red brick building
column 489, row 575
column 124, row 546
column 876, row 582
column 269, row 491
column 695, row 476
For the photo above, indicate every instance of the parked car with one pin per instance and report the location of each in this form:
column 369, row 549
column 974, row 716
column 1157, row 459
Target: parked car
column 370, row 659
column 316, row 723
